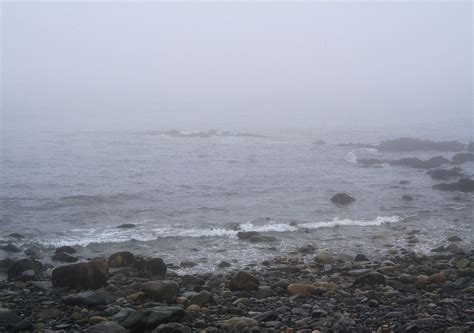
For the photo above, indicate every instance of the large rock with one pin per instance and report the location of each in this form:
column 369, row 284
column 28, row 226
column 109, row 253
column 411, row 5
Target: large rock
column 463, row 185
column 371, row 279
column 201, row 298
column 65, row 249
column 462, row 158
column 8, row 318
column 85, row 275
column 411, row 144
column 126, row 226
column 244, row 281
column 106, row 327
column 150, row 318
column 17, row 268
column 342, row 199
column 236, row 324
column 121, row 259
column 246, row 234
column 156, row 266
column 172, row 328
column 301, row 289
column 442, row 174
column 88, row 298
column 323, row 257
column 433, row 162
column 11, row 248
column 64, row 257
column 165, row 290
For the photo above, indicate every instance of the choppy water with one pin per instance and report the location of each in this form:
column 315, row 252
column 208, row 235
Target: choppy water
column 189, row 195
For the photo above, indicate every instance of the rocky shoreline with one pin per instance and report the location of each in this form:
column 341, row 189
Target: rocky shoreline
column 307, row 290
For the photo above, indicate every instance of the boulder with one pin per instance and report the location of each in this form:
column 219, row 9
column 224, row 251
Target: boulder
column 85, row 275
column 412, row 144
column 65, row 249
column 8, row 318
column 126, row 226
column 11, row 248
column 121, row 259
column 262, row 238
column 360, row 257
column 224, row 264
column 243, row 281
column 150, row 318
column 433, row 162
column 238, row 324
column 64, row 257
column 201, row 298
column 463, row 185
column 106, row 327
column 246, row 234
column 443, row 174
column 161, row 290
column 461, row 158
column 156, row 266
column 16, row 235
column 342, row 199
column 323, row 257
column 300, row 289
column 88, row 298
column 371, row 279
column 17, row 268
column 172, row 328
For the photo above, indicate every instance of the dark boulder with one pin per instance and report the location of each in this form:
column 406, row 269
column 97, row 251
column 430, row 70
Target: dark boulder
column 246, row 234
column 150, row 318
column 442, row 174
column 64, row 257
column 262, row 238
column 16, row 235
column 85, row 275
column 224, row 264
column 156, row 266
column 11, row 248
column 17, row 268
column 161, row 290
column 8, row 318
column 342, row 199
column 371, row 279
column 121, row 259
column 88, row 298
column 5, row 263
column 172, row 328
column 65, row 249
column 243, row 281
column 126, row 226
column 463, row 185
column 461, row 158
column 371, row 161
column 411, row 144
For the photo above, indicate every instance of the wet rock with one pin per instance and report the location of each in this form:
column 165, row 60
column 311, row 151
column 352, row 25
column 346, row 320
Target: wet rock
column 360, row 257
column 11, row 248
column 16, row 235
column 5, row 263
column 342, row 199
column 224, row 264
column 470, row 146
column 372, row 279
column 306, row 249
column 8, row 318
column 172, row 328
column 188, row 264
column 433, row 162
column 301, row 289
column 463, row 185
column 202, row 298
column 243, row 281
column 156, row 266
column 238, row 323
column 454, row 248
column 262, row 238
column 126, row 226
column 121, row 259
column 86, row 275
column 323, row 257
column 106, row 327
column 442, row 174
column 88, row 298
column 33, row 251
column 17, row 268
column 64, row 257
column 50, row 313
column 454, row 239
column 407, row 198
column 412, row 144
column 165, row 290
column 246, row 234
column 462, row 158
column 65, row 249
column 150, row 318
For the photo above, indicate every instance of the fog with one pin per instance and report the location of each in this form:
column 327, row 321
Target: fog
column 126, row 65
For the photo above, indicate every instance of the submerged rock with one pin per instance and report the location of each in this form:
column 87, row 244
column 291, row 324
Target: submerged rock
column 463, row 185
column 16, row 235
column 126, row 226
column 412, row 144
column 462, row 158
column 86, row 275
column 442, row 174
column 64, row 257
column 11, row 248
column 65, row 249
column 246, row 234
column 244, row 281
column 342, row 199
column 433, row 162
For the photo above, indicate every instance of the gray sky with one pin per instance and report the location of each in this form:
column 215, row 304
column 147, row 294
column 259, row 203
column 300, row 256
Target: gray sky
column 129, row 65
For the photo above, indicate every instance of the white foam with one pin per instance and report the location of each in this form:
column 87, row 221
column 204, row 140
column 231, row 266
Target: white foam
column 351, row 157
column 84, row 237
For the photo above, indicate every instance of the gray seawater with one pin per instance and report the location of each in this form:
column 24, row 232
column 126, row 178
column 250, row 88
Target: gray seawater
column 188, row 195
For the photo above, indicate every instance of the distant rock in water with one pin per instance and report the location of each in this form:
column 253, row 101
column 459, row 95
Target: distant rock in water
column 126, row 226
column 65, row 249
column 342, row 199
column 463, row 185
column 356, row 145
column 411, row 144
column 462, row 158
column 433, row 162
column 442, row 174
column 407, row 198
column 319, row 142
column 470, row 146
column 205, row 135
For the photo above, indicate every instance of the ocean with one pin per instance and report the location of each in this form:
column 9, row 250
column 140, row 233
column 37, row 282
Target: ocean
column 189, row 196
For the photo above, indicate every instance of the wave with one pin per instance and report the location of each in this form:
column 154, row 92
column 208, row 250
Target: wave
column 85, row 237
